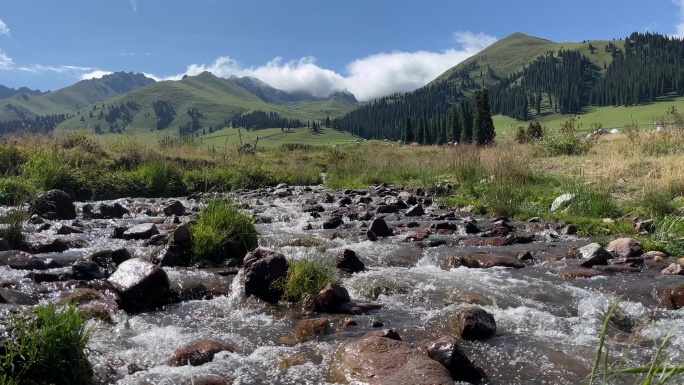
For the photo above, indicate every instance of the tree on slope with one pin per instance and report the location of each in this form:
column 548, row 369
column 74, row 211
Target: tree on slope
column 483, row 130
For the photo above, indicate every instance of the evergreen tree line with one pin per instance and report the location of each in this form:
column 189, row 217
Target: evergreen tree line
column 258, row 119
column 165, row 113
column 38, row 125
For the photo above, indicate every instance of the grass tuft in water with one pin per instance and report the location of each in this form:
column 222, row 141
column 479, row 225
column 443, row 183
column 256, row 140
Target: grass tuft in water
column 308, row 276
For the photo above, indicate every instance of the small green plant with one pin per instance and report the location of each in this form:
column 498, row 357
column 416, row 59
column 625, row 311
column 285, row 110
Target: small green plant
column 568, row 141
column 47, row 348
column 161, row 179
column 11, row 229
column 307, row 276
column 222, row 232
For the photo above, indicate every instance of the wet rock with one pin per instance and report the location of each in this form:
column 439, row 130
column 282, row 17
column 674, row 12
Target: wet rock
column 119, row 232
column 41, row 277
column 415, row 211
column 471, row 228
column 15, row 297
column 418, row 236
column 181, row 235
column 484, row 261
column 157, row 240
column 141, row 285
column 142, row 231
column 616, row 269
column 384, row 333
column 625, row 248
column 65, row 230
column 562, row 202
column 673, row 269
column 208, row 379
column 474, row 324
column 283, row 193
column 379, row 228
column 307, row 330
column 172, row 208
column 19, row 260
column 115, row 210
column 191, row 292
column 54, row 245
column 673, row 298
column 86, row 271
column 349, row 262
column 53, row 205
column 331, row 297
column 333, row 223
column 593, row 250
column 4, row 245
column 446, row 351
column 174, row 256
column 578, row 272
column 199, row 352
column 526, row 256
column 107, row 259
column 653, row 254
column 595, row 260
column 313, row 209
column 262, row 269
column 387, row 209
column 376, row 360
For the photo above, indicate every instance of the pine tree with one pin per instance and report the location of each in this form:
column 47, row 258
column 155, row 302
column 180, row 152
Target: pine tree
column 454, row 125
column 407, row 133
column 467, row 116
column 483, row 130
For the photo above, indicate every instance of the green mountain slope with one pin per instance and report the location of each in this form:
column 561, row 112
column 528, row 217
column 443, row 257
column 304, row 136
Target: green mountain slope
column 70, row 99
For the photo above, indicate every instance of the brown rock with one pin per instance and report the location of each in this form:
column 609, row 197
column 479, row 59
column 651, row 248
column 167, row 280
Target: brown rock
column 654, row 253
column 446, row 351
column 262, row 269
column 474, row 324
column 174, row 207
column 307, row 330
column 384, row 333
column 331, row 297
column 483, row 261
column 673, row 298
column 199, row 352
column 349, row 262
column 578, row 272
column 625, row 248
column 673, row 269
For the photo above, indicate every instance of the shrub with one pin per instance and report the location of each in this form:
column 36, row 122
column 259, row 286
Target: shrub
column 307, row 276
column 222, row 232
column 11, row 159
column 47, row 348
column 15, row 190
column 11, row 229
column 568, row 141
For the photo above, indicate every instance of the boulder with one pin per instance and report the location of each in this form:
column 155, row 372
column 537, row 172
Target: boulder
column 625, row 248
column 15, row 297
column 174, row 256
column 673, row 269
column 415, row 211
column 579, row 272
column 595, row 260
column 5, row 245
column 382, row 361
column 141, row 231
column 54, row 205
column 172, row 208
column 307, row 330
column 474, row 324
column 262, row 269
column 653, row 254
column 199, row 352
column 483, row 261
column 673, row 298
column 379, row 227
column 387, row 209
column 333, row 223
column 86, row 271
column 446, row 351
column 562, row 202
column 592, row 250
column 19, row 260
column 182, row 235
column 115, row 210
column 349, row 262
column 66, row 230
column 331, row 297
column 140, row 284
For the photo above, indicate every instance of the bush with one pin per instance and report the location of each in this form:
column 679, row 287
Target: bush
column 307, row 276
column 222, row 232
column 568, row 141
column 15, row 190
column 11, row 159
column 47, row 348
column 11, row 230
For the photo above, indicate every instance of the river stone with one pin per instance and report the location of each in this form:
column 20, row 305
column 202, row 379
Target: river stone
column 172, row 208
column 4, row 245
column 561, row 202
column 53, row 245
column 384, row 333
column 379, row 227
column 19, row 260
column 181, row 235
column 208, row 379
column 307, row 330
column 174, row 256
column 376, row 360
column 141, row 285
column 444, row 226
column 653, row 254
column 86, row 271
column 625, row 248
column 349, row 262
column 407, row 197
column 415, row 211
column 483, row 261
column 263, row 268
column 471, row 228
column 474, row 324
column 579, row 272
column 15, row 297
column 446, row 351
column 54, row 205
column 141, row 231
column 387, row 209
column 592, row 250
column 199, row 352
column 673, row 298
column 673, row 269
column 333, row 223
column 115, row 210
column 313, row 209
column 66, row 230
column 595, row 260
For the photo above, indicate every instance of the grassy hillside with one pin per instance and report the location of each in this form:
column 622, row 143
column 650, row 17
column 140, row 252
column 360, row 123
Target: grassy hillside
column 70, row 99
column 273, row 137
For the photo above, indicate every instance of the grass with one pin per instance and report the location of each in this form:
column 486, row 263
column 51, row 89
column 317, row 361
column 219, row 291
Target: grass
column 11, row 229
column 307, row 276
column 223, row 232
column 47, row 348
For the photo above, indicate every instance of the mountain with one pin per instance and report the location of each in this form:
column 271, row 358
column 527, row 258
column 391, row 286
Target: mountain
column 70, row 99
column 273, row 95
column 200, row 105
column 6, row 92
column 528, row 77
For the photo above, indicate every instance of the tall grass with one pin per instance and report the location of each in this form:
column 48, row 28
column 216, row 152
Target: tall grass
column 11, row 229
column 307, row 276
column 48, row 348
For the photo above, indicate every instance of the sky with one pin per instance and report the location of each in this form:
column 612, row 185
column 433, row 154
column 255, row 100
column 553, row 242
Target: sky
column 368, row 47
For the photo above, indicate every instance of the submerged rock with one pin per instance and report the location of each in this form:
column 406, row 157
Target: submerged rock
column 199, row 352
column 307, row 330
column 19, row 260
column 474, row 324
column 483, row 261
column 446, row 351
column 141, row 285
column 263, row 268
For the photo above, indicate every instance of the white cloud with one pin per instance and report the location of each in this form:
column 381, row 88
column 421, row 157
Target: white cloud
column 95, row 74
column 4, row 29
column 367, row 78
column 680, row 18
column 134, row 5
column 5, row 61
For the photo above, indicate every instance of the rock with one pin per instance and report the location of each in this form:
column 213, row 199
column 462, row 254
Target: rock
column 562, row 202
column 384, row 333
column 307, row 330
column 199, row 352
column 526, row 256
column 387, row 209
column 54, row 245
column 647, row 226
column 474, row 324
column 141, row 285
column 349, row 262
column 195, row 291
column 313, row 209
column 471, row 228
column 66, row 230
column 376, row 360
column 407, row 197
column 444, row 226
column 53, row 205
column 595, row 260
column 19, row 260
column 483, row 261
column 331, row 297
column 625, row 248
column 673, row 269
column 653, row 254
column 208, row 379
column 446, row 351
column 181, row 235
column 333, row 223
column 262, row 269
column 15, row 297
column 415, row 211
column 283, row 192
column 4, row 245
column 174, row 256
column 569, row 230
column 172, row 208
column 115, row 210
column 673, row 298
column 142, row 231
column 578, row 272
column 86, row 271
column 592, row 250
column 379, row 227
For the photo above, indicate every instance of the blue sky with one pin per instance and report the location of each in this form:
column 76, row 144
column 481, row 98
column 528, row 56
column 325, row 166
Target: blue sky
column 368, row 47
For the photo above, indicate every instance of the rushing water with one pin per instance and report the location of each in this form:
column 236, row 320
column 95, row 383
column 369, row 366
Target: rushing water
column 547, row 326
